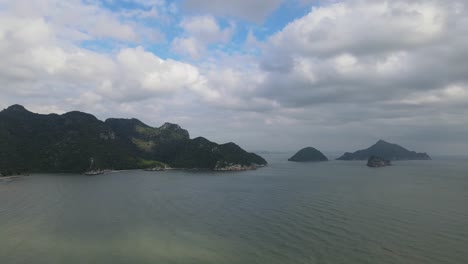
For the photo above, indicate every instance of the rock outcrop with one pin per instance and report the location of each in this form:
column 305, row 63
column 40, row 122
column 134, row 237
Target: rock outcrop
column 376, row 162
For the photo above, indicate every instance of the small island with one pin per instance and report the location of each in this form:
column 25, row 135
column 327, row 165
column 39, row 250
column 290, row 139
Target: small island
column 387, row 151
column 308, row 154
column 377, row 162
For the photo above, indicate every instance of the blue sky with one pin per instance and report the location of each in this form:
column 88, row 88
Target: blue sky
column 171, row 13
column 267, row 74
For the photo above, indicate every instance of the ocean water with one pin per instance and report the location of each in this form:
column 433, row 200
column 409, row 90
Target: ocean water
column 332, row 212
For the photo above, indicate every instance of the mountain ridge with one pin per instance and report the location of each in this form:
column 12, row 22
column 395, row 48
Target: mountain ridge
column 66, row 143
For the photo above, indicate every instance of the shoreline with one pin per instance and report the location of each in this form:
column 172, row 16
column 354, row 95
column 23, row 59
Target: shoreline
column 8, row 179
column 11, row 177
column 118, row 171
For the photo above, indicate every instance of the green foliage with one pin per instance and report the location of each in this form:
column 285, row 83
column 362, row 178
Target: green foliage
column 144, row 145
column 147, row 164
column 66, row 143
column 202, row 153
column 147, row 131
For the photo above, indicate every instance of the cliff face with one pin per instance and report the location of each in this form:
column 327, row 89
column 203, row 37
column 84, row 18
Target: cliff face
column 386, row 151
column 308, row 154
column 66, row 143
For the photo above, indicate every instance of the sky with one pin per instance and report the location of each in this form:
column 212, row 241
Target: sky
column 271, row 75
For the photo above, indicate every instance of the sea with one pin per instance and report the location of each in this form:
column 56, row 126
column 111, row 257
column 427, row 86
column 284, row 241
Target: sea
column 328, row 212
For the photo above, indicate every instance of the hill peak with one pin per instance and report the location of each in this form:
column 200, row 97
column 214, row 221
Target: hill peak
column 171, row 126
column 17, row 108
column 383, row 143
column 308, row 154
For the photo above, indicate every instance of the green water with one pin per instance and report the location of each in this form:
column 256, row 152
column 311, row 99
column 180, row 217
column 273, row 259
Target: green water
column 334, row 212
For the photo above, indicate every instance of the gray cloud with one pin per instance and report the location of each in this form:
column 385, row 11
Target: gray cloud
column 322, row 70
column 375, row 68
column 255, row 11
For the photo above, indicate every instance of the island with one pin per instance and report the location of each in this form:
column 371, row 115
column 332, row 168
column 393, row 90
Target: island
column 377, row 162
column 386, row 151
column 78, row 142
column 308, row 154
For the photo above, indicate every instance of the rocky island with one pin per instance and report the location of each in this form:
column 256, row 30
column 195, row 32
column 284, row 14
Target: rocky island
column 377, row 162
column 308, row 154
column 66, row 143
column 386, row 151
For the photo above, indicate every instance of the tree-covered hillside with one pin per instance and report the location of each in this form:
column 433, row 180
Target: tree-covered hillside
column 66, row 143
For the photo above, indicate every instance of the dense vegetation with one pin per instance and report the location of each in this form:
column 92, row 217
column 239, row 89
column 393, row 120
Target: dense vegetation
column 386, row 151
column 66, row 143
column 308, row 154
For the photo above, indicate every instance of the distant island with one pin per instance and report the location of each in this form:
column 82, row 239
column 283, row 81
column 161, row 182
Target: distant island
column 377, row 162
column 308, row 154
column 31, row 142
column 385, row 150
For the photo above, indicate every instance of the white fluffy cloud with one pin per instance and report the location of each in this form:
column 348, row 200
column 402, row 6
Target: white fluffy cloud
column 74, row 20
column 380, row 64
column 378, row 48
column 142, row 74
column 201, row 31
column 39, row 62
column 392, row 69
column 364, row 27
column 356, row 69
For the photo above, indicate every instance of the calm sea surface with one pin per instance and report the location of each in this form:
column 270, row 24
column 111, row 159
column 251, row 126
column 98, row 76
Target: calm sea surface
column 333, row 212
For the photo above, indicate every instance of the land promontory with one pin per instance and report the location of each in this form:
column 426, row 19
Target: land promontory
column 66, row 143
column 308, row 154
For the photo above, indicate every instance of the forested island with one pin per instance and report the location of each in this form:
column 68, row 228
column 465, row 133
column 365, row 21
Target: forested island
column 385, row 150
column 68, row 143
column 308, row 154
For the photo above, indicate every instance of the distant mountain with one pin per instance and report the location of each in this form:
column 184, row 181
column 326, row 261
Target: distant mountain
column 66, row 143
column 308, row 154
column 386, row 151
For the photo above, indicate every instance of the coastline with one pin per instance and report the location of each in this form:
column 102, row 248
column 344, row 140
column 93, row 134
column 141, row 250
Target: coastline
column 11, row 177
column 8, row 179
column 227, row 169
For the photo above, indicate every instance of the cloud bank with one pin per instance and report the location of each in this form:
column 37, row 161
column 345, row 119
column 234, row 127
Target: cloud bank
column 339, row 77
